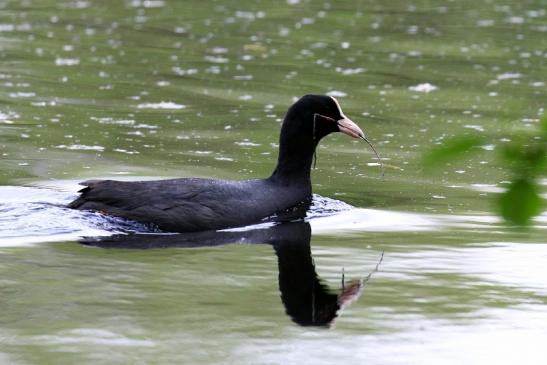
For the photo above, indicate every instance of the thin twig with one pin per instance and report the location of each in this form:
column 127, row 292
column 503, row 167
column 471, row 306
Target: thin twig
column 376, row 153
column 367, row 278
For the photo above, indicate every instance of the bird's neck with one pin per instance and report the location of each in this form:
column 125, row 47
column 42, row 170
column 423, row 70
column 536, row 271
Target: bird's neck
column 294, row 163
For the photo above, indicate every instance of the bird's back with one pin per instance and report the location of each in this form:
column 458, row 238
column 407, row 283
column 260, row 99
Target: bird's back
column 190, row 204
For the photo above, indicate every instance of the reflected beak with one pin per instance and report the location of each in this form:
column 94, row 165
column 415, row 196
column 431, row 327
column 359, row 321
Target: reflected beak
column 347, row 126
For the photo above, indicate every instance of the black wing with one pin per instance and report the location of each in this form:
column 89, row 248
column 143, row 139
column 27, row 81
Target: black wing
column 175, row 205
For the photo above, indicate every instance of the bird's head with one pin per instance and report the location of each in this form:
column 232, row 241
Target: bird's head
column 319, row 115
column 308, row 120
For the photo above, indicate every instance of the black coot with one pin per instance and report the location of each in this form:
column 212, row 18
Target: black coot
column 195, row 204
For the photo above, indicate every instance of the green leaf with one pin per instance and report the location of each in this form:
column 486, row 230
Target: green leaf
column 525, row 159
column 543, row 126
column 451, row 149
column 535, row 157
column 512, row 152
column 521, row 202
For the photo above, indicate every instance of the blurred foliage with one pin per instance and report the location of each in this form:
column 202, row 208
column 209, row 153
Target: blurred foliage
column 453, row 148
column 525, row 157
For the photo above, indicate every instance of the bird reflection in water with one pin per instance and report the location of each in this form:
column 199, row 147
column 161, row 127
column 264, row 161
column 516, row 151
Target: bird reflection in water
column 307, row 300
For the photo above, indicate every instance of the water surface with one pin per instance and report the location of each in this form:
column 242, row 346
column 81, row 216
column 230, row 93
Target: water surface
column 158, row 89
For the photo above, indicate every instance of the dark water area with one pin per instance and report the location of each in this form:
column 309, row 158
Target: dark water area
column 412, row 268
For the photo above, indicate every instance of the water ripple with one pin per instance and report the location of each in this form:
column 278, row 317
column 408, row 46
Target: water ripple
column 31, row 215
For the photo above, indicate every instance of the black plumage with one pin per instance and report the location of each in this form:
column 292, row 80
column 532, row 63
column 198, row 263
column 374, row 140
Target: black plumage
column 196, row 204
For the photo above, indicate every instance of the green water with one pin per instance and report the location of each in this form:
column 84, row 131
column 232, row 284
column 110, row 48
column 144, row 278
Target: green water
column 139, row 89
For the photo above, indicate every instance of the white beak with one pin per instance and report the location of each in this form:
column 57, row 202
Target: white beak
column 347, row 126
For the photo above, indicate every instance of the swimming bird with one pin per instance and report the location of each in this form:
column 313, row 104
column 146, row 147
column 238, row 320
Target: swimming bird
column 199, row 204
